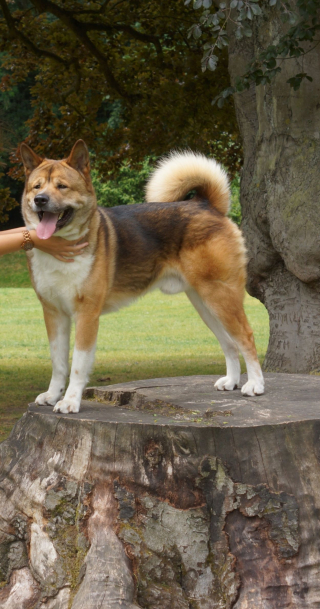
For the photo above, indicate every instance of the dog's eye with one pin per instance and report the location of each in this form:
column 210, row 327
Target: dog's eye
column 62, row 186
column 37, row 186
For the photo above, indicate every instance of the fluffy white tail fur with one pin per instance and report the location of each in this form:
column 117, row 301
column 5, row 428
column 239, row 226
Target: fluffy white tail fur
column 181, row 172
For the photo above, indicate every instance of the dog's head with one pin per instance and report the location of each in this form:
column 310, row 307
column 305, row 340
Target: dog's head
column 58, row 197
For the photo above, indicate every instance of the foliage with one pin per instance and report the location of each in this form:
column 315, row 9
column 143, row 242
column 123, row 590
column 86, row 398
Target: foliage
column 7, row 202
column 235, row 211
column 126, row 188
column 237, row 17
column 122, row 75
column 14, row 111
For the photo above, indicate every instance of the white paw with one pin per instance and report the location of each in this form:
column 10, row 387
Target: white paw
column 47, row 398
column 67, row 405
column 226, row 384
column 253, row 387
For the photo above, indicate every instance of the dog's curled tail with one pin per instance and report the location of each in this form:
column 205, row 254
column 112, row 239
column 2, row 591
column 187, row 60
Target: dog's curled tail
column 181, row 172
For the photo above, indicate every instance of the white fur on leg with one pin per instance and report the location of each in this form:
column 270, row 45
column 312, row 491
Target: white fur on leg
column 229, row 347
column 255, row 383
column 82, row 362
column 59, row 349
column 231, row 381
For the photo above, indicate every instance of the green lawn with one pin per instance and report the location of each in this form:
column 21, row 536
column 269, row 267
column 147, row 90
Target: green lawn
column 157, row 336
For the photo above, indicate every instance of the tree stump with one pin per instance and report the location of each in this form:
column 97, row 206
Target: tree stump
column 165, row 494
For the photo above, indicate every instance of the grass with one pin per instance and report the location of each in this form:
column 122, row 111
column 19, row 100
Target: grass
column 158, row 336
column 14, row 272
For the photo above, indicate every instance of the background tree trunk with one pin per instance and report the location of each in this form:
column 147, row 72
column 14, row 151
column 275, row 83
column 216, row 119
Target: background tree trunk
column 164, row 498
column 280, row 197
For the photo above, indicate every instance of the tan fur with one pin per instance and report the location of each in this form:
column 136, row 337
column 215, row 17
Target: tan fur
column 181, row 172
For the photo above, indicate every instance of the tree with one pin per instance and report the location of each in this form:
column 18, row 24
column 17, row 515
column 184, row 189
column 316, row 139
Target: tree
column 121, row 75
column 14, row 112
column 274, row 69
column 149, row 501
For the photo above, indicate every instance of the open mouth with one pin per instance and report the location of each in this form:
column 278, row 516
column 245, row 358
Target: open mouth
column 51, row 223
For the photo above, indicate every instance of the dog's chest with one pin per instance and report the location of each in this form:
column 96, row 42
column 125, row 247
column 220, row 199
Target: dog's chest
column 60, row 282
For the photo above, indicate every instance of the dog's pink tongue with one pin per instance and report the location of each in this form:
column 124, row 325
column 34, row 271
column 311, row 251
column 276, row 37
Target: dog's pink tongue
column 47, row 225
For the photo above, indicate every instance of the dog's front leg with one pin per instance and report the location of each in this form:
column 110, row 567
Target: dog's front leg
column 58, row 328
column 82, row 362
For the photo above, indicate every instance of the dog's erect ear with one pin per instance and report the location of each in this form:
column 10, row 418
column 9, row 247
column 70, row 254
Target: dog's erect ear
column 29, row 158
column 79, row 158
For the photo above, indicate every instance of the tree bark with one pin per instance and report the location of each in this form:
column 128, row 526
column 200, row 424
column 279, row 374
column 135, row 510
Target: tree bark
column 158, row 496
column 280, row 196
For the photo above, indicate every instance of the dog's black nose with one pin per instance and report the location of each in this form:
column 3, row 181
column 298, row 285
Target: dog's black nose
column 41, row 200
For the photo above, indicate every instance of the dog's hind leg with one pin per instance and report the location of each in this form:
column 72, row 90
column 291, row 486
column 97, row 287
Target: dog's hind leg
column 229, row 347
column 82, row 361
column 58, row 328
column 224, row 305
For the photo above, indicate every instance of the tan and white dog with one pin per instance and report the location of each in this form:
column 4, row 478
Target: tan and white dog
column 173, row 244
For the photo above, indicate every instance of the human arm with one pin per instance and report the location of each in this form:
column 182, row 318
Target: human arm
column 12, row 231
column 11, row 241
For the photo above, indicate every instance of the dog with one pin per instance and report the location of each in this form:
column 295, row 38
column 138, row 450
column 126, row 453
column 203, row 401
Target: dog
column 168, row 242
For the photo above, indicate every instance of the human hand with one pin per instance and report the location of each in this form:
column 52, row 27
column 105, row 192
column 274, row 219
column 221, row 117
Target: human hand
column 58, row 247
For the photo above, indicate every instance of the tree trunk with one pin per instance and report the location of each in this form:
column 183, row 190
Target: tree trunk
column 166, row 496
column 280, row 196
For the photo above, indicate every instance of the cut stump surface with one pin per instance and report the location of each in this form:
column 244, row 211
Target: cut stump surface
column 165, row 494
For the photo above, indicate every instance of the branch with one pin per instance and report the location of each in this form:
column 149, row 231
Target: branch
column 15, row 33
column 80, row 32
column 75, row 87
column 104, row 27
column 89, row 11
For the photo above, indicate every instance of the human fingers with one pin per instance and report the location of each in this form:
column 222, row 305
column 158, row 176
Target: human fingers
column 74, row 250
column 62, row 258
column 76, row 243
column 79, row 246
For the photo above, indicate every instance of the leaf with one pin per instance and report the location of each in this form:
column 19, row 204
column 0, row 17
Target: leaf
column 197, row 32
column 256, row 9
column 271, row 63
column 204, row 17
column 207, row 3
column 197, row 4
column 273, row 2
column 212, row 63
column 227, row 92
column 249, row 13
column 233, row 3
column 206, row 54
column 292, row 18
